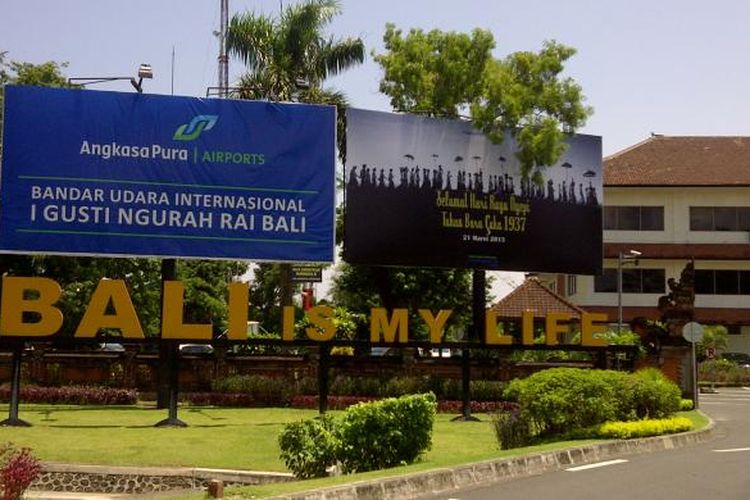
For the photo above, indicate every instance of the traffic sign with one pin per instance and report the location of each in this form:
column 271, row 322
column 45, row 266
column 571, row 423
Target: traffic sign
column 692, row 332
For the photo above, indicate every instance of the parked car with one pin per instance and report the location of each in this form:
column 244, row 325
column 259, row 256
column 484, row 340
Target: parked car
column 111, row 347
column 741, row 358
column 196, row 349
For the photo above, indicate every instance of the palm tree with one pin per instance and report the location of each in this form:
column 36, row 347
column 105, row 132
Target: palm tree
column 289, row 58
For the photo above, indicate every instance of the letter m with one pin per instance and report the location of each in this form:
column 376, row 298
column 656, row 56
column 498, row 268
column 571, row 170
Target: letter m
column 398, row 324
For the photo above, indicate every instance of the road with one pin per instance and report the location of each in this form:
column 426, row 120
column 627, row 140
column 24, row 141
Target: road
column 717, row 469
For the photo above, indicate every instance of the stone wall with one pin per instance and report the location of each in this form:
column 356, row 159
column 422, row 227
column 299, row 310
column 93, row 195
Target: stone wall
column 139, row 480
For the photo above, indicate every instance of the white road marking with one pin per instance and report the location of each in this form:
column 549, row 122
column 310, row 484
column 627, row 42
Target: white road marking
column 596, row 465
column 732, row 450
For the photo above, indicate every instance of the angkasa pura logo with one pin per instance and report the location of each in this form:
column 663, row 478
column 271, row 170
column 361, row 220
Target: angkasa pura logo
column 199, row 124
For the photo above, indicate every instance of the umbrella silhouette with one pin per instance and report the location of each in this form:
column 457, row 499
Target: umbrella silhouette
column 568, row 166
column 458, row 158
column 407, row 155
column 590, row 174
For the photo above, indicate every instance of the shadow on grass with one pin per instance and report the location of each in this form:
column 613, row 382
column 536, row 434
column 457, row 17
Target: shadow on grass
column 204, row 414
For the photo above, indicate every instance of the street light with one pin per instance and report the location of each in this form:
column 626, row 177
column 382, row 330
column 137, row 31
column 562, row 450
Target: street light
column 144, row 71
column 622, row 259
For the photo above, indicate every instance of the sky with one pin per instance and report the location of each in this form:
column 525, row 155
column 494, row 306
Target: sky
column 673, row 67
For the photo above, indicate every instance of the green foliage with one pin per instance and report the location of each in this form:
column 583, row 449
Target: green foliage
column 308, row 447
column 386, row 433
column 723, row 371
column 686, row 404
column 562, row 401
column 273, row 391
column 715, row 337
column 361, row 288
column 643, row 428
column 558, row 400
column 653, row 394
column 346, row 322
column 511, row 430
column 206, row 284
column 368, row 436
column 277, row 52
column 435, row 72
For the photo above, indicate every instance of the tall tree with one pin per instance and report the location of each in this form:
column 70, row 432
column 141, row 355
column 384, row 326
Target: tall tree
column 522, row 95
column 288, row 58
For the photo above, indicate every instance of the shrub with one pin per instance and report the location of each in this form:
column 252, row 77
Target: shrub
column 654, row 395
column 73, row 394
column 723, row 371
column 18, row 469
column 560, row 400
column 476, row 406
column 686, row 404
column 266, row 391
column 487, row 390
column 643, row 428
column 511, row 430
column 386, row 433
column 309, row 447
column 219, row 399
column 334, row 402
column 402, row 386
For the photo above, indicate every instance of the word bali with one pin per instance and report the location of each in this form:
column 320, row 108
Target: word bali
column 26, row 297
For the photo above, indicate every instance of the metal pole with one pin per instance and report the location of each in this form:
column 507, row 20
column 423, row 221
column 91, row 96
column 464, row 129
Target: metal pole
column 15, row 387
column 323, row 379
column 476, row 332
column 695, row 378
column 619, row 292
column 223, row 57
column 169, row 273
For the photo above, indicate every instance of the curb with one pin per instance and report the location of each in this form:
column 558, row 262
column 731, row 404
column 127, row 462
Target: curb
column 493, row 471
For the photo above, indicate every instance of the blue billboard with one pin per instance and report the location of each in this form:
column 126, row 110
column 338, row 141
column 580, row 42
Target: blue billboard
column 120, row 174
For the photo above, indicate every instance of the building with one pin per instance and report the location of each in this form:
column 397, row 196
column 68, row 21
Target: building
column 674, row 199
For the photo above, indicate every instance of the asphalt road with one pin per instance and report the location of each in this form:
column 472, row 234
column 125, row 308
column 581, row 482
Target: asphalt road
column 717, row 469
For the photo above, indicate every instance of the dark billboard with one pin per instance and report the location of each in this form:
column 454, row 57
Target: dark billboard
column 430, row 192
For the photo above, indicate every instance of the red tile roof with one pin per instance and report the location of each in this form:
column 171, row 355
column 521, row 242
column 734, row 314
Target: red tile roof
column 681, row 161
column 533, row 296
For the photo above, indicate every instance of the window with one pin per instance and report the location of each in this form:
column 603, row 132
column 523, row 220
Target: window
column 620, row 218
column 633, row 281
column 720, row 218
column 606, row 282
column 572, row 283
column 722, row 282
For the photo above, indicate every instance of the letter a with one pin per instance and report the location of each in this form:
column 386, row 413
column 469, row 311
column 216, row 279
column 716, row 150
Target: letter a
column 124, row 319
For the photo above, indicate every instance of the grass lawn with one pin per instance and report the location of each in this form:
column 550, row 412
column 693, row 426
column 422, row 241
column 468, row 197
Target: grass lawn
column 226, row 438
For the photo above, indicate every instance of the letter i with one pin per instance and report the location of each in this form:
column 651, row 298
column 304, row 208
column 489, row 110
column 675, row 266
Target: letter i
column 33, row 213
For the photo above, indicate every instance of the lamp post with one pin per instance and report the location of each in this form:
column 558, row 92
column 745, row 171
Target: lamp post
column 144, row 71
column 622, row 259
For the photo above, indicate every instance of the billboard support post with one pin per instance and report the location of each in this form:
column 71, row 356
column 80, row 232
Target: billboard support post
column 323, row 362
column 478, row 283
column 169, row 367
column 15, row 387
